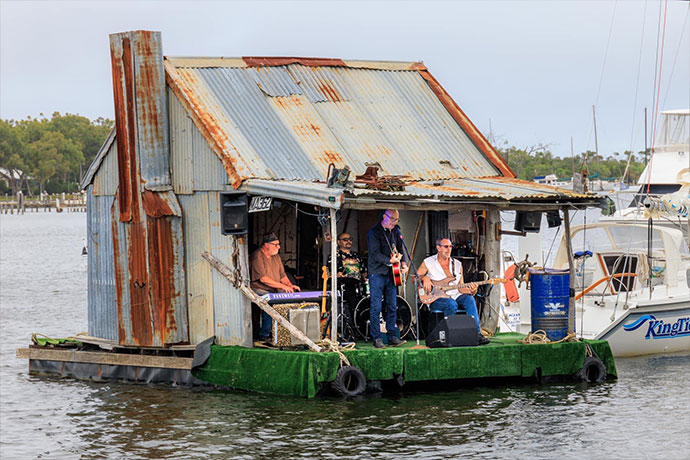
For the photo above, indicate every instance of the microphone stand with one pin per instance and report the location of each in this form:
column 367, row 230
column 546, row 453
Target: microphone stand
column 416, row 281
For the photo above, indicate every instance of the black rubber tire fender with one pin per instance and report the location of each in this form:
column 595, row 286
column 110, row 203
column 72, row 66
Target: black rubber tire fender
column 349, row 381
column 593, row 370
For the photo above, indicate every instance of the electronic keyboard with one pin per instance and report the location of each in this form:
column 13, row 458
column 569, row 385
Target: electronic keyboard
column 294, row 297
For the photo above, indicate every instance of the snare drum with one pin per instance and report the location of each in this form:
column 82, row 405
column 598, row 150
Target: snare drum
column 361, row 317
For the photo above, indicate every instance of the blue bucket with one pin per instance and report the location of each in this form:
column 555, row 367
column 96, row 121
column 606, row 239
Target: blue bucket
column 550, row 297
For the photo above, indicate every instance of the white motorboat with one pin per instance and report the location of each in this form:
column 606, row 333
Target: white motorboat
column 662, row 175
column 635, row 295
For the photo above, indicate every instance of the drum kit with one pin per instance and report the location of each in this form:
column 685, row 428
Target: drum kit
column 361, row 317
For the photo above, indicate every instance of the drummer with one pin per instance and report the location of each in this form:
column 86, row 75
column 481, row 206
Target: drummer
column 351, row 273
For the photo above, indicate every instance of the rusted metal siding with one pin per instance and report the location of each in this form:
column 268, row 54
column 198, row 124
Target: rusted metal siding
column 147, row 232
column 151, row 107
column 199, row 277
column 500, row 188
column 290, row 122
column 102, row 301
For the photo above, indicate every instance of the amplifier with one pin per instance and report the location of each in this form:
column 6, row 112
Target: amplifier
column 304, row 316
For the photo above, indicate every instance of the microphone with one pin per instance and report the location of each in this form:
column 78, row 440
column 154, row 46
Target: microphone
column 397, row 227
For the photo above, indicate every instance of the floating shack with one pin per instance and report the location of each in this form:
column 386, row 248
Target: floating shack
column 210, row 153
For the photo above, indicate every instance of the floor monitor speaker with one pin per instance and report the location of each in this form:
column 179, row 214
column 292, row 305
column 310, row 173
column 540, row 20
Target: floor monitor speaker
column 454, row 331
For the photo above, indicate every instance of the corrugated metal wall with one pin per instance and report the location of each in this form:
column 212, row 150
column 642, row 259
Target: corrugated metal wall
column 194, row 165
column 102, row 301
column 215, row 306
column 105, row 180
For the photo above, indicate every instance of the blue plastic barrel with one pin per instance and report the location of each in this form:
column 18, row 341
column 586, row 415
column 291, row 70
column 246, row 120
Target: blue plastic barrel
column 550, row 291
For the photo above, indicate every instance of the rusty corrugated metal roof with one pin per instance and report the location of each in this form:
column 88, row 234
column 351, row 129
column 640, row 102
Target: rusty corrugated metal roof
column 448, row 191
column 288, row 118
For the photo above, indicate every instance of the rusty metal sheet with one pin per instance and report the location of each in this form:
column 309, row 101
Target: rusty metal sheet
column 159, row 204
column 123, row 96
column 280, row 61
column 259, row 128
column 151, row 109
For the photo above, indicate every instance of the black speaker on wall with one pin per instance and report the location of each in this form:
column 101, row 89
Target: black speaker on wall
column 454, row 331
column 529, row 222
column 234, row 213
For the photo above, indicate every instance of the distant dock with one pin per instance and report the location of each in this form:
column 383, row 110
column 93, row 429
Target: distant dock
column 72, row 202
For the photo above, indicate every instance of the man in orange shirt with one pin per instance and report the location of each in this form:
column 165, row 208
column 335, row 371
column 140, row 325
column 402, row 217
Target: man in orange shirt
column 268, row 275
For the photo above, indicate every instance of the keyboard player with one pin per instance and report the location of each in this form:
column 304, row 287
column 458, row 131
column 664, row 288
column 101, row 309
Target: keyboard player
column 268, row 275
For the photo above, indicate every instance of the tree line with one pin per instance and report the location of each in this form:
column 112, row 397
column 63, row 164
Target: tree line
column 530, row 162
column 48, row 155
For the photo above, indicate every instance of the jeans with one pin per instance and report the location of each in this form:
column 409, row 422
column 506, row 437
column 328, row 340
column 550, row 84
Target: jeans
column 382, row 286
column 463, row 304
column 266, row 320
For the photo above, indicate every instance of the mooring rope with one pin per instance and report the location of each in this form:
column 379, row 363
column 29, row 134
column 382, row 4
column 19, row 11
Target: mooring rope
column 540, row 337
column 329, row 345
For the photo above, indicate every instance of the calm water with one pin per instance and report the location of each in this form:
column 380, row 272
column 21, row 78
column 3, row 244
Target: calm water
column 645, row 414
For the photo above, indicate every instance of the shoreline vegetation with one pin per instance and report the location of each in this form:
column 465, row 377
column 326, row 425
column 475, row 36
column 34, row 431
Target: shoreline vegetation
column 40, row 156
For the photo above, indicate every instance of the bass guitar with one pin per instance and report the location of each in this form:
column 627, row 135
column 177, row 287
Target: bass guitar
column 448, row 284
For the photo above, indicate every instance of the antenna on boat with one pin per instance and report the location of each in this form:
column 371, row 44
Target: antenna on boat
column 646, row 149
column 596, row 143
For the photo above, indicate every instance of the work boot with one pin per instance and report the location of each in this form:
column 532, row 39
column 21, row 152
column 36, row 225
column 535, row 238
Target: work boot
column 378, row 343
column 394, row 341
column 483, row 340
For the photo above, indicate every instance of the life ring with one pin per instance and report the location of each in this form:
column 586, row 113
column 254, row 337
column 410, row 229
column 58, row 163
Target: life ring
column 349, row 381
column 593, row 371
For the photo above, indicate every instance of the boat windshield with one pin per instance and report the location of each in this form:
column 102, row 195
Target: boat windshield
column 616, row 238
column 654, row 190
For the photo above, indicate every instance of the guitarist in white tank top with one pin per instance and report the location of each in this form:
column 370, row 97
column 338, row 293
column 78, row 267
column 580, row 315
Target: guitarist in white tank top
column 441, row 266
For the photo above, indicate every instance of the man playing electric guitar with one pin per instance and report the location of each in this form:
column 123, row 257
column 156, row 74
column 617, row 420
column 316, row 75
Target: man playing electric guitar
column 441, row 266
column 385, row 259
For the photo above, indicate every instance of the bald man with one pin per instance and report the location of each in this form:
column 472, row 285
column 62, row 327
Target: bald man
column 385, row 249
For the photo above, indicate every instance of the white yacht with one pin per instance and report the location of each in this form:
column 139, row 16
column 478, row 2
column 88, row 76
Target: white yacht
column 634, row 294
column 663, row 175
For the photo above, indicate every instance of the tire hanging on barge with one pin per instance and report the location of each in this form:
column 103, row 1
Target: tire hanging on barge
column 593, row 371
column 349, row 381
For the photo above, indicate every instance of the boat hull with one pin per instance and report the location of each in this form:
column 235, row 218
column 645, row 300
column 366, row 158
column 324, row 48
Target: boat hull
column 648, row 330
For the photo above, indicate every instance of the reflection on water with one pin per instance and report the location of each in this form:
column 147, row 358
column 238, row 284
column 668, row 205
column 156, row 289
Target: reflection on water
column 43, row 280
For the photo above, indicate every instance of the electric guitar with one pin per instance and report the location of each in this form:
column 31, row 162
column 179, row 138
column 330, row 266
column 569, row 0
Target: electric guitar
column 396, row 267
column 448, row 284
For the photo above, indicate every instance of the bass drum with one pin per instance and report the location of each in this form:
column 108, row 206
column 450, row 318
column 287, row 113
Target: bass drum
column 361, row 317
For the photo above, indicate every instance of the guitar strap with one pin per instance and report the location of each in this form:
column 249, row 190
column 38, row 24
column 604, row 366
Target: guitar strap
column 390, row 246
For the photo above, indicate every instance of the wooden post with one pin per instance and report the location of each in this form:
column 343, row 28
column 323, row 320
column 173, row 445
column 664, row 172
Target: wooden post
column 571, row 267
column 254, row 297
column 334, row 277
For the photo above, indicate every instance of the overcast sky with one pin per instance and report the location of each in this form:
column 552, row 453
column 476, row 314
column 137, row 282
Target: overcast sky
column 527, row 72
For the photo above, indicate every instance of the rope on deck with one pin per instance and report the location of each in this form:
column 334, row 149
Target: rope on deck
column 329, row 345
column 540, row 337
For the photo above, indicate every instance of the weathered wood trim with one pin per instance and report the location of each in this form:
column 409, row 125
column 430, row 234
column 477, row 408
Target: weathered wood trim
column 117, row 359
